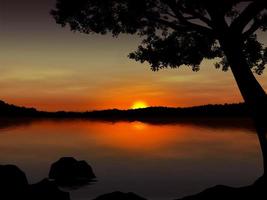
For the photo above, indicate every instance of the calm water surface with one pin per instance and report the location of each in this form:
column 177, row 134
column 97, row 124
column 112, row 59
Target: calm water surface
column 154, row 161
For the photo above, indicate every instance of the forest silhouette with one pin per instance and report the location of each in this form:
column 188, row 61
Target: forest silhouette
column 212, row 116
column 160, row 113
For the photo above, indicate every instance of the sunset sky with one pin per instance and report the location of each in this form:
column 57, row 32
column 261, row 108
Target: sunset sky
column 45, row 66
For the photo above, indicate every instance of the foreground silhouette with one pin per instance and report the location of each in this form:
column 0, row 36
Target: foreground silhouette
column 14, row 185
column 117, row 195
column 67, row 171
column 256, row 191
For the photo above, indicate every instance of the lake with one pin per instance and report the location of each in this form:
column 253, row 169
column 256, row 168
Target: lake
column 156, row 161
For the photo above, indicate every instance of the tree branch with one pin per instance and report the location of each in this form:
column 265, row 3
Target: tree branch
column 200, row 17
column 218, row 22
column 254, row 27
column 180, row 27
column 184, row 21
column 247, row 15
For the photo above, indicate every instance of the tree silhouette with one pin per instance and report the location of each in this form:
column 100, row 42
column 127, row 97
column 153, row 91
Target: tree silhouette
column 184, row 32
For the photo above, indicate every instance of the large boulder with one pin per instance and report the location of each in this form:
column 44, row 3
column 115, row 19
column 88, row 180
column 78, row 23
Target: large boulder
column 119, row 196
column 14, row 186
column 46, row 190
column 12, row 177
column 13, row 182
column 67, row 171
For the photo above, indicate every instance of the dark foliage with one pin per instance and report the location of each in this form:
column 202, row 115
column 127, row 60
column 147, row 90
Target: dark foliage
column 174, row 32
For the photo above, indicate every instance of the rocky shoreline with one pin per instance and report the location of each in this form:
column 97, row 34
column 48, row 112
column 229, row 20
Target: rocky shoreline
column 69, row 172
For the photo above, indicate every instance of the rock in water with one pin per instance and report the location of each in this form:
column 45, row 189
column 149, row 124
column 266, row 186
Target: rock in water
column 67, row 171
column 47, row 190
column 14, row 186
column 13, row 182
column 119, row 196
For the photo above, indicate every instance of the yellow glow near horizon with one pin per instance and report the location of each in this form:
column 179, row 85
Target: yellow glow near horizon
column 139, row 104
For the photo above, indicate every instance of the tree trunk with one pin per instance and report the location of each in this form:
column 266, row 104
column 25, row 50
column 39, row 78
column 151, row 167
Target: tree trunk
column 252, row 92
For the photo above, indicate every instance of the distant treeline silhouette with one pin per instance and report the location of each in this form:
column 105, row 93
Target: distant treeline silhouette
column 7, row 110
column 225, row 110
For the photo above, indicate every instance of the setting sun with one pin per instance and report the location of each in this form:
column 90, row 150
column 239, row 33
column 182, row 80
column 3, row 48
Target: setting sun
column 139, row 104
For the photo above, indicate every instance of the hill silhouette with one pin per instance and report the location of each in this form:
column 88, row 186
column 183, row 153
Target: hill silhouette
column 9, row 110
column 150, row 113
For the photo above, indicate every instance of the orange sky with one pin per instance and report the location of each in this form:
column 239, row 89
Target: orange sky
column 45, row 66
